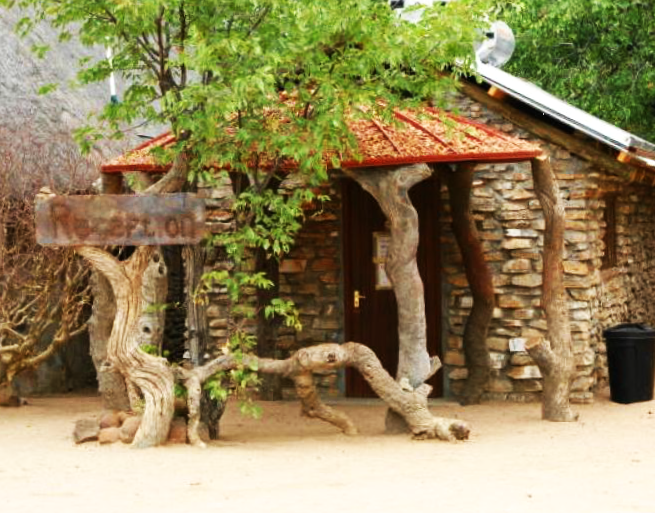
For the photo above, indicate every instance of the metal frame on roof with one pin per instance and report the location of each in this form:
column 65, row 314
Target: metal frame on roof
column 532, row 95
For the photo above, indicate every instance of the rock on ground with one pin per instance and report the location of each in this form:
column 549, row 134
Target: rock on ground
column 86, row 430
column 109, row 435
column 129, row 429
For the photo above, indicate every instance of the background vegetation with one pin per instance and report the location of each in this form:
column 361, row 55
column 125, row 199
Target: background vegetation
column 597, row 54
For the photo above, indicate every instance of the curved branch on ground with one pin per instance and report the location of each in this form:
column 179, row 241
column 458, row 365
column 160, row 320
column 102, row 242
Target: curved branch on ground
column 410, row 403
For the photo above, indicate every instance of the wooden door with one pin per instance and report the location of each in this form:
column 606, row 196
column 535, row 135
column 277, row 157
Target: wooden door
column 375, row 322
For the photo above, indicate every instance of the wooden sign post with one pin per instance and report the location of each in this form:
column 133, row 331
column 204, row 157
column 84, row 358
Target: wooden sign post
column 121, row 220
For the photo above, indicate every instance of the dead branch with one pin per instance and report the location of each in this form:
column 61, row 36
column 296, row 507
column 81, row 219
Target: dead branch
column 42, row 290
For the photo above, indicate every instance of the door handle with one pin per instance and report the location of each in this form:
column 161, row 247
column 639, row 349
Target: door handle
column 356, row 298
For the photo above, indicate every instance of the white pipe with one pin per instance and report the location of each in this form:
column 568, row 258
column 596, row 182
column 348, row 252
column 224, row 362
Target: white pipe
column 112, row 79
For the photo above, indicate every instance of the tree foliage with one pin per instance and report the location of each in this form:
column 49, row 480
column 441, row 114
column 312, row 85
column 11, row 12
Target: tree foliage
column 251, row 86
column 597, row 54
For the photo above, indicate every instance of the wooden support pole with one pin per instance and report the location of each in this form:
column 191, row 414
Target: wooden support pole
column 112, row 183
column 555, row 355
column 480, row 281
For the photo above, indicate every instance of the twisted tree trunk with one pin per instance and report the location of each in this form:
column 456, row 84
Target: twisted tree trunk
column 555, row 359
column 480, row 281
column 198, row 334
column 390, row 188
column 150, row 376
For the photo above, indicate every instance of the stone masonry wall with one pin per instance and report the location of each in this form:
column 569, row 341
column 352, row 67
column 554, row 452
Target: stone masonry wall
column 309, row 275
column 511, row 226
column 625, row 292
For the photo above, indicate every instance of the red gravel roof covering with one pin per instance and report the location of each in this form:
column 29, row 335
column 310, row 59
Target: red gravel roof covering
column 431, row 136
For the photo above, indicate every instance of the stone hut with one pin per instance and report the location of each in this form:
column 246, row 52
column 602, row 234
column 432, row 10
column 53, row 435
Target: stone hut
column 335, row 273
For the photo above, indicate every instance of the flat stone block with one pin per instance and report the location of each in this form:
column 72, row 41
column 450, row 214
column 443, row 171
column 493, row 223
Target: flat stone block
column 513, row 232
column 529, row 254
column 458, row 373
column 528, row 385
column 524, row 313
column 581, row 315
column 586, row 357
column 581, row 397
column 499, row 385
column 517, row 215
column 500, row 344
column 582, row 384
column 324, row 264
column 326, row 324
column 521, row 359
column 455, row 358
column 519, row 193
column 455, row 342
column 517, row 243
column 498, row 360
column 517, row 344
column 512, row 301
column 575, row 236
column 518, row 265
column 289, row 266
column 483, row 205
column 459, row 280
column 524, row 372
column 575, row 267
column 508, row 205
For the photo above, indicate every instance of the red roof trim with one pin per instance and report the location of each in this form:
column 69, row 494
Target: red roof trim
column 460, row 157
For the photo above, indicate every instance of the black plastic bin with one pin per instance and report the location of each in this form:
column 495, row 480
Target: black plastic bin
column 631, row 362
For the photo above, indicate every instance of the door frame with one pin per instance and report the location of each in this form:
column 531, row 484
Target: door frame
column 428, row 193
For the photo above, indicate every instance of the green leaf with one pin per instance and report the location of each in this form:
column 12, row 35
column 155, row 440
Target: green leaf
column 47, row 89
column 40, row 50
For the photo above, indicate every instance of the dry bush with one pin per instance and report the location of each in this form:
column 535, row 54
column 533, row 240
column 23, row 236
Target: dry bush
column 43, row 291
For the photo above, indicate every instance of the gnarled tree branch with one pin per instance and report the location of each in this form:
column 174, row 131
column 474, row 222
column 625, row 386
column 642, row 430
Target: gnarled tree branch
column 410, row 403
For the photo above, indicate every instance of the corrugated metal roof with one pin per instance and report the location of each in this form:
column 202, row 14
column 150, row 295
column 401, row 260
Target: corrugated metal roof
column 427, row 135
column 566, row 113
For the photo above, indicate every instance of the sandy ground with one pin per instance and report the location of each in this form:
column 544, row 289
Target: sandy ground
column 514, row 462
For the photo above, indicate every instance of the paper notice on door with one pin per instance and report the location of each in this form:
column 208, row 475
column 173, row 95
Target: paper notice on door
column 381, row 242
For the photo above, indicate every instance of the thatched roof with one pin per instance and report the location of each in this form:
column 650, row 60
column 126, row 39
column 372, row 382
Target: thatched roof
column 35, row 130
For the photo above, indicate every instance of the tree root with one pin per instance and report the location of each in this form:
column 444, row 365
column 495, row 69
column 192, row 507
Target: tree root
column 410, row 403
